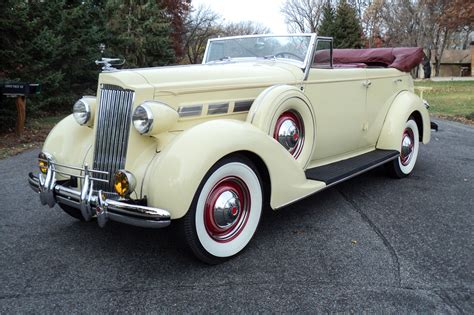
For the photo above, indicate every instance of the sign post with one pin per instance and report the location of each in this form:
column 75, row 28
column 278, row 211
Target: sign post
column 21, row 114
column 19, row 91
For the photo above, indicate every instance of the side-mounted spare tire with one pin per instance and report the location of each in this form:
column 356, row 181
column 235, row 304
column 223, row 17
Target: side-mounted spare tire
column 286, row 114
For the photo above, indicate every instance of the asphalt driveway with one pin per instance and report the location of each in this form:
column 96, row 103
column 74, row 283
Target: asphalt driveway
column 371, row 244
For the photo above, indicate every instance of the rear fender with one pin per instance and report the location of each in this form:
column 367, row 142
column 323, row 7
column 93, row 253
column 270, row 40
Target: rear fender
column 405, row 104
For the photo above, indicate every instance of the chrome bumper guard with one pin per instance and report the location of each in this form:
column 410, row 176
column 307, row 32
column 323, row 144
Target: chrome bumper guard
column 94, row 203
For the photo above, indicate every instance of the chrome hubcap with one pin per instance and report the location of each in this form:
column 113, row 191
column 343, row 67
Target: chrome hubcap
column 407, row 147
column 226, row 209
column 289, row 132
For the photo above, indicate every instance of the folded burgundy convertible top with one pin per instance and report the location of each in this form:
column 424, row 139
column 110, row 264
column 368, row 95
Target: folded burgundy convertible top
column 403, row 59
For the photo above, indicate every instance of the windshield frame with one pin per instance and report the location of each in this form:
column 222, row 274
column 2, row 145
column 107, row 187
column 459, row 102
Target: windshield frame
column 304, row 65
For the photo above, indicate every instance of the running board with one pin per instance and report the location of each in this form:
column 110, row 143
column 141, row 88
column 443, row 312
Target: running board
column 340, row 171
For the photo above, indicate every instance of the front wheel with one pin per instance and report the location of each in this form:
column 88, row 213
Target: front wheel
column 225, row 211
column 404, row 164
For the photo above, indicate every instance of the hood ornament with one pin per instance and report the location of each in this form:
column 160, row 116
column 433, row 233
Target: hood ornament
column 108, row 64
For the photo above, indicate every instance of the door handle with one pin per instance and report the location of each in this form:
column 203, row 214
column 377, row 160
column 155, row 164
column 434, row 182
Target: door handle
column 367, row 83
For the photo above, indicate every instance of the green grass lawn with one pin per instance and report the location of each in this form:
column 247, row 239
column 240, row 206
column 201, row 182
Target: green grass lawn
column 450, row 98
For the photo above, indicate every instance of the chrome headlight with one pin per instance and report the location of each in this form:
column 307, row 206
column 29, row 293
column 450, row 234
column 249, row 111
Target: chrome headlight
column 143, row 118
column 81, row 112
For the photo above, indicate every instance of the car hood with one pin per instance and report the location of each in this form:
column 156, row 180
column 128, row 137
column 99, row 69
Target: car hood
column 177, row 79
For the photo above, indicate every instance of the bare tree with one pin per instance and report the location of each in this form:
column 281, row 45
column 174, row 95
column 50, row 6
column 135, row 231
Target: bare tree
column 403, row 22
column 445, row 18
column 244, row 28
column 200, row 25
column 372, row 22
column 302, row 15
column 425, row 23
column 361, row 6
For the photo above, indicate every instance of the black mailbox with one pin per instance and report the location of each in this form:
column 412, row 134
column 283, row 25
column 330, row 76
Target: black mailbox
column 19, row 88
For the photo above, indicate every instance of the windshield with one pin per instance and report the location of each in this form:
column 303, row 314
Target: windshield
column 293, row 48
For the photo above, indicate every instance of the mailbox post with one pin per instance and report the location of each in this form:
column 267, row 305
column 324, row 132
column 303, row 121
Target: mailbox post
column 19, row 91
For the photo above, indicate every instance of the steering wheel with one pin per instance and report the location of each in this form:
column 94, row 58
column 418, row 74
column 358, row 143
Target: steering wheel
column 283, row 54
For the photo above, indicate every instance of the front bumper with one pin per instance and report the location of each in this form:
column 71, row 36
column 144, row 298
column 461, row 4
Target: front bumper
column 96, row 203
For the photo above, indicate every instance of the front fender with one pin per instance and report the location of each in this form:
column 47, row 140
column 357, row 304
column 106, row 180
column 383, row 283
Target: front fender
column 68, row 142
column 175, row 174
column 404, row 105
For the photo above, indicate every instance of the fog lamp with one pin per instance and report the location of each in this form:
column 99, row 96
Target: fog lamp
column 124, row 183
column 43, row 162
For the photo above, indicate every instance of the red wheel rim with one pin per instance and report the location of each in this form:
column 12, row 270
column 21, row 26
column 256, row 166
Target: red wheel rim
column 408, row 144
column 289, row 132
column 227, row 209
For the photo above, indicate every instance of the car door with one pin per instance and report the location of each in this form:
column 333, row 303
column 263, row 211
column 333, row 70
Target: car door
column 384, row 85
column 338, row 96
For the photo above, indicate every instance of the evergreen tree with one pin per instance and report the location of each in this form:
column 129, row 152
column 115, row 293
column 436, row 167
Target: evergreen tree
column 36, row 49
column 55, row 43
column 347, row 30
column 139, row 32
column 83, row 30
column 326, row 26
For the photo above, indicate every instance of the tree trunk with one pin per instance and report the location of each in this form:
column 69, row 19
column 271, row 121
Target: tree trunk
column 439, row 52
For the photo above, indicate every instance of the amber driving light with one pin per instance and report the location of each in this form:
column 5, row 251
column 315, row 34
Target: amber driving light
column 43, row 163
column 124, row 183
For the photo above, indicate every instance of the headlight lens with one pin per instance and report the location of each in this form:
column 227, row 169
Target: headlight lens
column 142, row 119
column 124, row 183
column 82, row 112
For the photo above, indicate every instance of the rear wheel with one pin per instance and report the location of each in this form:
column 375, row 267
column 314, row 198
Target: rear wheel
column 225, row 211
column 404, row 164
column 73, row 212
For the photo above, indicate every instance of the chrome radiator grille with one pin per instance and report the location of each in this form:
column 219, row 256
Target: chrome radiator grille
column 113, row 127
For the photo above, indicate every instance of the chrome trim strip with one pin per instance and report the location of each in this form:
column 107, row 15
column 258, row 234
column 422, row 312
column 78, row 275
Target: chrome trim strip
column 310, row 57
column 113, row 129
column 82, row 177
column 192, row 110
column 75, row 167
column 220, row 108
column 242, row 106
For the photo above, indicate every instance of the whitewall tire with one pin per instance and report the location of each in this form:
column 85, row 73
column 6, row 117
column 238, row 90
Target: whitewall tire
column 410, row 145
column 226, row 210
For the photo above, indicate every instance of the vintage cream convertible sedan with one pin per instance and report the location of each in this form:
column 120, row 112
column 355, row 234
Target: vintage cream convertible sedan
column 265, row 120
